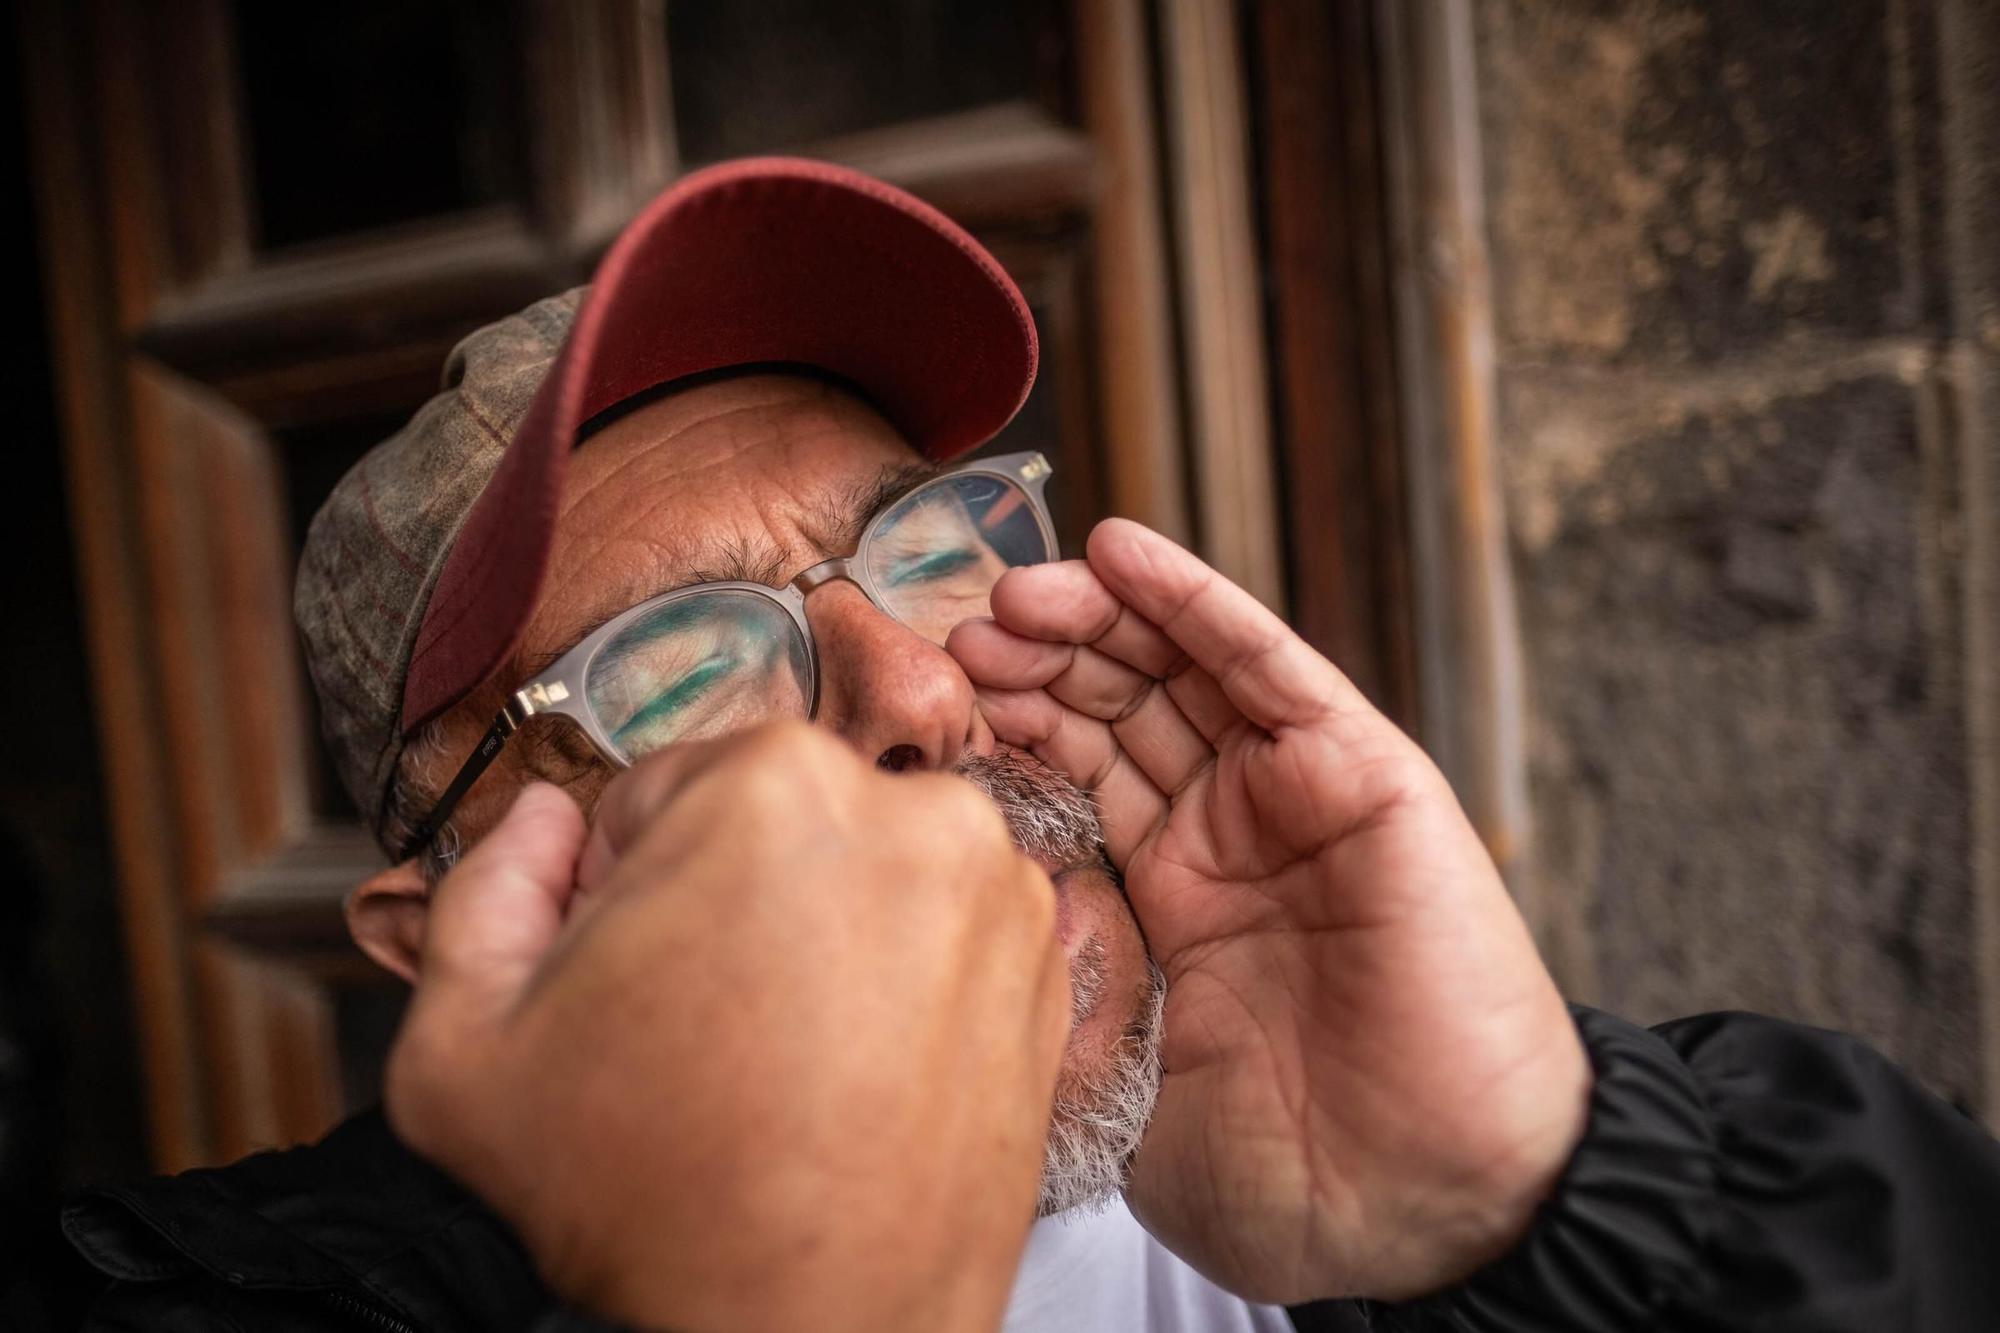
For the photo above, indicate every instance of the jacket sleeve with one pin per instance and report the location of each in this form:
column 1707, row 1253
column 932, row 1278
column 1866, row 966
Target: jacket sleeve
column 1742, row 1173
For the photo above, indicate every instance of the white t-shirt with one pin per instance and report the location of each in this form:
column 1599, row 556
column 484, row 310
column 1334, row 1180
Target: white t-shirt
column 1102, row 1273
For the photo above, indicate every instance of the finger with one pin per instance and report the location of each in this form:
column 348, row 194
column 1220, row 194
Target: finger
column 634, row 799
column 1066, row 602
column 1070, row 604
column 1203, row 703
column 1086, row 678
column 1167, row 747
column 1145, row 720
column 991, row 655
column 1083, row 749
column 497, row 913
column 1265, row 669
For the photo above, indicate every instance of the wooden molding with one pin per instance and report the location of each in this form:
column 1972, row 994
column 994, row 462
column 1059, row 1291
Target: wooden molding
column 351, row 312
column 995, row 166
column 1139, row 419
column 1332, row 335
column 78, row 270
column 1969, row 34
column 290, row 905
column 217, row 591
column 1469, row 655
column 1051, row 269
column 175, row 504
column 1221, row 297
column 167, row 97
column 180, row 347
column 601, row 129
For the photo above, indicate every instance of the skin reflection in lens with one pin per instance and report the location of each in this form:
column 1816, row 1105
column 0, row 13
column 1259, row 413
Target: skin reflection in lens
column 697, row 668
column 723, row 660
column 935, row 557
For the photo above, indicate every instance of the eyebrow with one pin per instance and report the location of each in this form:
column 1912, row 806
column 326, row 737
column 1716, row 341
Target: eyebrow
column 837, row 522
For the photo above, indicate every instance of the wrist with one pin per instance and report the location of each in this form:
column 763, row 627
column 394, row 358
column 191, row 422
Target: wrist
column 1624, row 1227
column 1522, row 1182
column 1484, row 1210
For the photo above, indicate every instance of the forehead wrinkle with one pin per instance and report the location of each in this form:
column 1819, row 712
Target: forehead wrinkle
column 838, row 519
column 829, row 522
column 735, row 558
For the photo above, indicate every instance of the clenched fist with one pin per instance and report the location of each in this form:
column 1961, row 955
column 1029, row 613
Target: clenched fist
column 772, row 1045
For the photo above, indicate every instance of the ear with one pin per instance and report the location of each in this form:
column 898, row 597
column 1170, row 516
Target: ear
column 386, row 915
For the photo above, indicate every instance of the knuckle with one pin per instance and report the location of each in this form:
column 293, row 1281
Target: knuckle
column 1404, row 775
column 760, row 788
column 780, row 762
column 960, row 810
column 794, row 776
column 798, row 747
column 634, row 797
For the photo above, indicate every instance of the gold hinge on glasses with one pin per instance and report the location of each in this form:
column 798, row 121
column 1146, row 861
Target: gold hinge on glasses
column 535, row 699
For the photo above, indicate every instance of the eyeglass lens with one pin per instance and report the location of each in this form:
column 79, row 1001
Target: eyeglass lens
column 721, row 660
column 698, row 667
column 934, row 557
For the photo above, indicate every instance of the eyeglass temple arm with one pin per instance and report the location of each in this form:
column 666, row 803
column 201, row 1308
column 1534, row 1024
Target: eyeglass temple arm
column 504, row 725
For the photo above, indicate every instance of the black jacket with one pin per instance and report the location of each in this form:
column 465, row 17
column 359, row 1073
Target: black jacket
column 1737, row 1173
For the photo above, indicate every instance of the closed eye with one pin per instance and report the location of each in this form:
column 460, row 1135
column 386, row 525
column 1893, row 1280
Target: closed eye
column 934, row 565
column 681, row 694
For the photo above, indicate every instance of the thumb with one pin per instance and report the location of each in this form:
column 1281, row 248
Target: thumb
column 495, row 916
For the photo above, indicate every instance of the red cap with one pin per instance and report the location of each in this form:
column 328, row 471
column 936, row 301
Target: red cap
column 761, row 260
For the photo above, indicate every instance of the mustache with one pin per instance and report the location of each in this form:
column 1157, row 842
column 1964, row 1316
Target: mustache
column 1050, row 817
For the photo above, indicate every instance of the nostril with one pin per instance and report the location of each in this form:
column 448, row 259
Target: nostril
column 900, row 758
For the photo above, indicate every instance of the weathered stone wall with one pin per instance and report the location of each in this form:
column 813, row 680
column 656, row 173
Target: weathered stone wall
column 1732, row 476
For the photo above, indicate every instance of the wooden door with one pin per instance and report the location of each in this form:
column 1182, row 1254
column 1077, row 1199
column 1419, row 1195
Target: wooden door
column 267, row 224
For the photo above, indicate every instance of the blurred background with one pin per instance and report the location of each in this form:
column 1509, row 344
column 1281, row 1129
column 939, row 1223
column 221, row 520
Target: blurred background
column 1608, row 385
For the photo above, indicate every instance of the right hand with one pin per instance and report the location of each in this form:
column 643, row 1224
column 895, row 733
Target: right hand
column 1371, row 1080
column 775, row 1048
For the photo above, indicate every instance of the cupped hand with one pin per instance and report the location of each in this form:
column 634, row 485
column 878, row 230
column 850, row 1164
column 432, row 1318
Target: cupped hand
column 1371, row 1079
column 772, row 1045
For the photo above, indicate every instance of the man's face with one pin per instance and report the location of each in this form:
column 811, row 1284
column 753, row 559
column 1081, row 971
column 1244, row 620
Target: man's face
column 757, row 478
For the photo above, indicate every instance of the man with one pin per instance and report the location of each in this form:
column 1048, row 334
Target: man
column 1307, row 1035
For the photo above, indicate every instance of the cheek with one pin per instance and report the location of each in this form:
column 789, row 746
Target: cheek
column 1091, row 907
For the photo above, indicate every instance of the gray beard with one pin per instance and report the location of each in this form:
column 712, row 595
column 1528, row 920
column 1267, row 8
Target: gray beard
column 1099, row 1116
column 1099, row 1120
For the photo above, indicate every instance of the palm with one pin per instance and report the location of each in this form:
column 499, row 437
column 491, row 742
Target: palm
column 1354, row 1011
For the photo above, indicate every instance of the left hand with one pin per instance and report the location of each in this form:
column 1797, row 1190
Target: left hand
column 1370, row 1077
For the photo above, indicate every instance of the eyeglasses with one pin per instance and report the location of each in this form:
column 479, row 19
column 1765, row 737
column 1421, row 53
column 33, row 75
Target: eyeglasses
column 712, row 658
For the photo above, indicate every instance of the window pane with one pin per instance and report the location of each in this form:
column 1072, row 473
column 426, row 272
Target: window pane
column 749, row 78
column 365, row 115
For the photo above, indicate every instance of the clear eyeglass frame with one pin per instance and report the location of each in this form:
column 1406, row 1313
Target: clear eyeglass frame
column 560, row 690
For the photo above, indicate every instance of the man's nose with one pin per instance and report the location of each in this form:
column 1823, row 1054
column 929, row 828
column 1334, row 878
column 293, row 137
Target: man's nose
column 893, row 694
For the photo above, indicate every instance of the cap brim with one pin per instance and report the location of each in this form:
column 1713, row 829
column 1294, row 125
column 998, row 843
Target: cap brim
column 762, row 260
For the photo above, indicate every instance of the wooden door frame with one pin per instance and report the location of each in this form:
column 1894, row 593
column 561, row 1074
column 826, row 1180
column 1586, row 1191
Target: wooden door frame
column 180, row 346
column 1383, row 338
